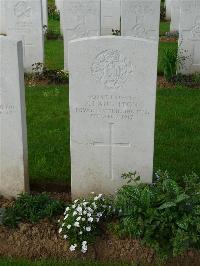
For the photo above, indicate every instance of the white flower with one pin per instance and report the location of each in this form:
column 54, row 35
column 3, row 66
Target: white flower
column 65, row 237
column 73, row 247
column 88, row 228
column 79, row 209
column 76, row 224
column 80, row 233
column 84, row 212
column 74, row 213
column 69, row 226
column 92, row 192
column 97, row 220
column 84, row 247
column 83, row 219
column 85, row 203
column 74, row 206
column 90, row 219
column 90, row 209
column 89, row 214
column 63, row 224
column 96, row 198
column 60, row 230
column 99, row 214
column 78, row 218
column 76, row 201
column 94, row 205
column 67, row 209
column 59, row 221
column 84, row 243
column 66, row 216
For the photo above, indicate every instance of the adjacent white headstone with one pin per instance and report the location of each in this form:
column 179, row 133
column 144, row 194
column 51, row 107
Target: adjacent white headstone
column 140, row 18
column 13, row 140
column 168, row 9
column 110, row 16
column 189, row 40
column 2, row 17
column 175, row 15
column 112, row 110
column 81, row 19
column 45, row 12
column 24, row 22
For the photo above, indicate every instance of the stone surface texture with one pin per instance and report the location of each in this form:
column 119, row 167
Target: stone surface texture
column 175, row 15
column 189, row 37
column 112, row 110
column 45, row 12
column 140, row 18
column 81, row 19
column 24, row 22
column 110, row 16
column 13, row 136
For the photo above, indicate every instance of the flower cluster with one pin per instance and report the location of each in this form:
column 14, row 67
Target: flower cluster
column 79, row 224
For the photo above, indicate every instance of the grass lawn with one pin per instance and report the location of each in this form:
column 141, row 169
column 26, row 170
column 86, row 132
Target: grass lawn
column 48, row 133
column 177, row 138
column 54, row 54
column 164, row 27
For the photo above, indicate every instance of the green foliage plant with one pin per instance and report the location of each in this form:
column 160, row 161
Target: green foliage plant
column 164, row 215
column 53, row 12
column 42, row 72
column 170, row 62
column 31, row 209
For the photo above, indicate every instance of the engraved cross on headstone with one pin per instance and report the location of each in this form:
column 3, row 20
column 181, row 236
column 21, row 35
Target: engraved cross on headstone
column 111, row 144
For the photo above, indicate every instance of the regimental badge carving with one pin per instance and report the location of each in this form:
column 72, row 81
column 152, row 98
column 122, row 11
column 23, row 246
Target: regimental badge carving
column 82, row 8
column 22, row 10
column 196, row 29
column 141, row 9
column 111, row 68
column 139, row 30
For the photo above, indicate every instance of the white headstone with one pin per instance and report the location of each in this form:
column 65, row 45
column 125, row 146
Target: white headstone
column 13, row 140
column 140, row 18
column 175, row 15
column 189, row 40
column 24, row 22
column 45, row 12
column 81, row 19
column 168, row 9
column 2, row 17
column 110, row 16
column 112, row 110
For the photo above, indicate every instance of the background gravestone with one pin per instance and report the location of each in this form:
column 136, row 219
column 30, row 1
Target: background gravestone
column 189, row 40
column 2, row 17
column 175, row 15
column 45, row 12
column 168, row 9
column 13, row 140
column 81, row 19
column 24, row 22
column 110, row 16
column 140, row 18
column 112, row 110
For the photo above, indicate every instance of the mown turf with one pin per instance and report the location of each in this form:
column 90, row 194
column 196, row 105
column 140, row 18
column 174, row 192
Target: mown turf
column 48, row 133
column 164, row 27
column 177, row 138
column 54, row 54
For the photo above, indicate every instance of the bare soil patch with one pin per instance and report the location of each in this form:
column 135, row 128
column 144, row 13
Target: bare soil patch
column 42, row 241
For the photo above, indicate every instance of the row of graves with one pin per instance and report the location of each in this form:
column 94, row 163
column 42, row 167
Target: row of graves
column 112, row 88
